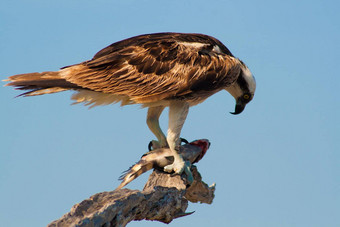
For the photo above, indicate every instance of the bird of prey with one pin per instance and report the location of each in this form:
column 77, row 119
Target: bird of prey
column 175, row 70
column 191, row 152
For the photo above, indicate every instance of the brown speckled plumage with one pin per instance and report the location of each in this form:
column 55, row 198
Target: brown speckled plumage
column 145, row 69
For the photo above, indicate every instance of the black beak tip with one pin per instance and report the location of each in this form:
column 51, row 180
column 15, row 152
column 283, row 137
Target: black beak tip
column 238, row 109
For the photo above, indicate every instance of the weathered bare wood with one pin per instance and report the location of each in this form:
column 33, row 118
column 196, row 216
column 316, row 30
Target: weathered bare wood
column 163, row 199
column 198, row 191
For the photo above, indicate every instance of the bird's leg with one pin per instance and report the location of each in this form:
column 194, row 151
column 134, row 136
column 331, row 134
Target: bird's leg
column 153, row 122
column 178, row 112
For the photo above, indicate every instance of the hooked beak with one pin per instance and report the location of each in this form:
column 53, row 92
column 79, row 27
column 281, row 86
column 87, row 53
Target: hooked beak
column 239, row 107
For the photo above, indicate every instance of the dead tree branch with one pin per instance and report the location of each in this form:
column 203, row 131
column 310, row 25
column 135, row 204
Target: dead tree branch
column 163, row 199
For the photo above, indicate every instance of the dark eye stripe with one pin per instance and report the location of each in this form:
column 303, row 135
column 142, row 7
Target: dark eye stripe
column 243, row 83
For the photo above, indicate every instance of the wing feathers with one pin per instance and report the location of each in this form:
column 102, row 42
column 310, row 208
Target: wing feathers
column 147, row 68
column 150, row 70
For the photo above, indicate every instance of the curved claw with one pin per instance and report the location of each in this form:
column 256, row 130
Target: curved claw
column 150, row 146
column 154, row 144
column 183, row 140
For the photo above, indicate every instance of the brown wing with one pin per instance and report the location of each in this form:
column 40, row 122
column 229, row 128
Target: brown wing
column 159, row 66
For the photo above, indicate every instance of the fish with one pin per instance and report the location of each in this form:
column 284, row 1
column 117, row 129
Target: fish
column 191, row 152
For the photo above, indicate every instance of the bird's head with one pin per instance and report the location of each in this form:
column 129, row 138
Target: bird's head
column 243, row 89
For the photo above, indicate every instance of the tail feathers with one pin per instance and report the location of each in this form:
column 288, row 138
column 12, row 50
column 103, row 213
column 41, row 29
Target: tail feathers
column 133, row 172
column 40, row 83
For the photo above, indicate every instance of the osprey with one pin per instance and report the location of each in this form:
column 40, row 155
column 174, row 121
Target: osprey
column 174, row 70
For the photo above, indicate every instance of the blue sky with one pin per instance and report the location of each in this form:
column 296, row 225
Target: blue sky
column 276, row 164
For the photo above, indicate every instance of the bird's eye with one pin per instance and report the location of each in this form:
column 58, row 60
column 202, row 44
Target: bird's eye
column 246, row 96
